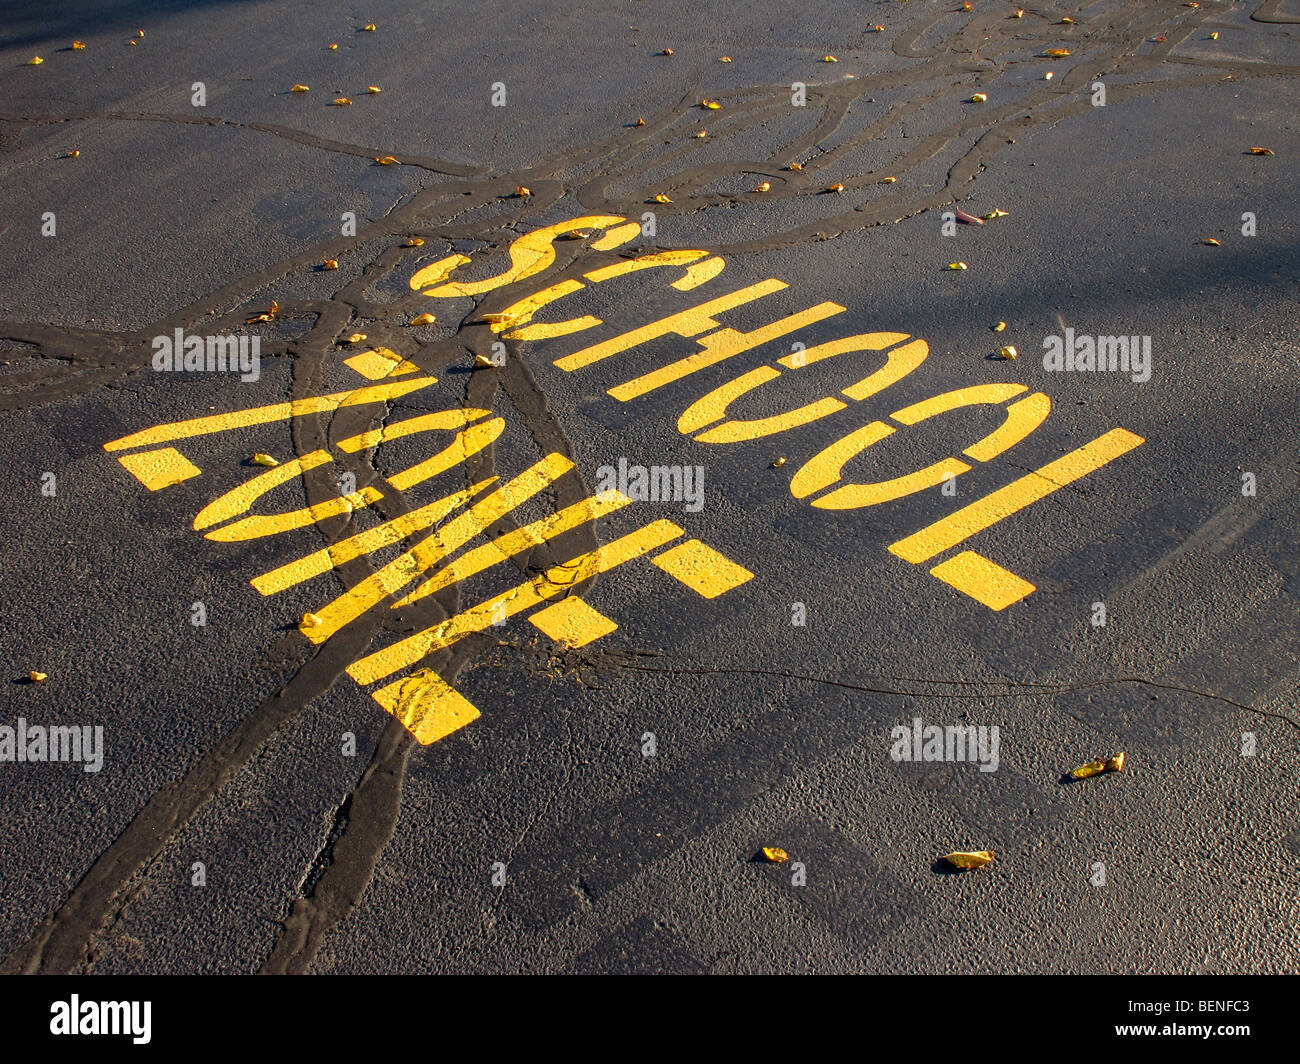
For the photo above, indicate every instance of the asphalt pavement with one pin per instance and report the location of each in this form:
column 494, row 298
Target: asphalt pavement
column 730, row 547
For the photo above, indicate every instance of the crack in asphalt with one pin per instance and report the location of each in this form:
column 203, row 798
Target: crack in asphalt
column 1011, row 688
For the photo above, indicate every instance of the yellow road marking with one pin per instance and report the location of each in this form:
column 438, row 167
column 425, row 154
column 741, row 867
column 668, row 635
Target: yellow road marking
column 521, row 539
column 713, row 407
column 1022, row 418
column 437, row 272
column 548, row 330
column 702, row 569
column 515, row 316
column 616, row 237
column 823, row 469
column 465, row 443
column 161, row 468
column 858, row 496
column 239, row 500
column 647, row 262
column 380, row 363
column 548, row 585
column 573, row 622
column 699, row 272
column 975, row 395
column 986, row 582
column 441, row 419
column 262, row 415
column 470, row 441
column 898, row 364
column 518, row 314
column 432, row 549
column 718, row 347
column 826, row 467
column 367, row 542
column 530, row 254
column 966, row 522
column 427, row 706
column 685, row 323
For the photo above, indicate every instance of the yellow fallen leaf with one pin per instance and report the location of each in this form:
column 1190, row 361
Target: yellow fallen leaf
column 37, row 677
column 74, row 153
column 666, row 51
column 778, row 463
column 995, row 213
column 701, row 134
column 1262, row 151
column 969, row 859
column 639, row 122
column 979, row 97
column 890, row 180
column 711, row 105
column 1067, row 21
column 356, row 338
column 35, row 60
column 422, row 319
column 724, row 59
column 795, row 166
column 763, row 187
column 1020, row 13
column 374, row 90
column 968, row 6
column 130, row 42
column 330, row 264
column 310, row 620
column 1008, row 353
column 369, row 27
column 139, row 33
column 661, row 198
column 78, row 46
column 1116, row 763
column 342, row 101
column 837, row 187
column 334, row 47
column 523, row 190
column 413, row 242
column 264, row 460
column 1092, row 768
column 1212, row 242
column 385, row 160
column 1057, row 53
column 301, row 88
column 877, row 29
column 775, row 854
column 483, row 360
column 1048, row 76
column 829, row 59
column 268, row 316
column 1214, row 36
column 958, row 266
column 1000, row 327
